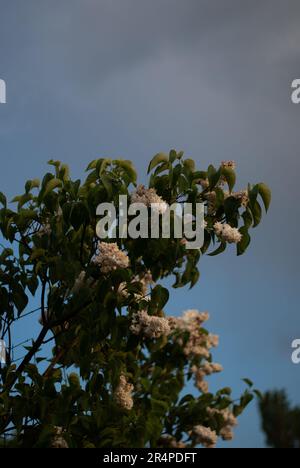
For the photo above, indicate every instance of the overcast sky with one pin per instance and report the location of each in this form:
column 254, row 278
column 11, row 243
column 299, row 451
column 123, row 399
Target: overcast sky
column 129, row 78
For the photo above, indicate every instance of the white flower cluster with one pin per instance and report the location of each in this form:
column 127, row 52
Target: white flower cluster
column 110, row 258
column 123, row 394
column 150, row 326
column 198, row 343
column 149, row 197
column 204, row 436
column 228, row 165
column 229, row 422
column 58, row 440
column 227, row 233
column 203, row 371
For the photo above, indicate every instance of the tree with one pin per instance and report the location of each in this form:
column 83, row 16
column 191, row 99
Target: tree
column 119, row 365
column 280, row 422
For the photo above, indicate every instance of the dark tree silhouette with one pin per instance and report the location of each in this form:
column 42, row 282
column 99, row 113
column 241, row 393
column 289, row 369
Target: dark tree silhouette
column 280, row 422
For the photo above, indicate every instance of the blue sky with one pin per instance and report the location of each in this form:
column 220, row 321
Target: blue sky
column 129, row 78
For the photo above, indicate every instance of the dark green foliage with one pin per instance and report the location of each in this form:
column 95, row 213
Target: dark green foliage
column 280, row 422
column 47, row 242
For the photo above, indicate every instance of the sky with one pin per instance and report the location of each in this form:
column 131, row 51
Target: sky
column 129, row 78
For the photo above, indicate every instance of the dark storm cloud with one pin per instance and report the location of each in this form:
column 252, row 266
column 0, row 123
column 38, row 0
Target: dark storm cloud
column 93, row 39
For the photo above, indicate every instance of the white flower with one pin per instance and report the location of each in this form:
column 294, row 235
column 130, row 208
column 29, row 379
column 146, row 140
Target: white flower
column 205, row 436
column 210, row 368
column 123, row 394
column 149, row 198
column 229, row 422
column 213, row 341
column 198, row 343
column 192, row 315
column 227, row 433
column 202, row 385
column 227, row 233
column 111, row 258
column 150, row 326
column 201, row 372
column 229, row 165
column 58, row 440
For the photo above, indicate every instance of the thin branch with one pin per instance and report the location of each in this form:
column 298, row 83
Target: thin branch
column 43, row 301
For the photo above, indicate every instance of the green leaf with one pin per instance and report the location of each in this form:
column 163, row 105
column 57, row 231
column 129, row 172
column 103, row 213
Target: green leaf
column 258, row 394
column 159, row 407
column 129, row 169
column 79, row 215
column 225, row 391
column 106, row 181
column 265, row 194
column 64, row 173
column 37, row 253
column 230, row 177
column 213, row 176
column 163, row 167
column 103, row 166
column 3, row 200
column 172, row 156
column 190, row 165
column 35, row 183
column 248, row 382
column 183, row 183
column 248, row 219
column 54, row 163
column 159, row 297
column 244, row 243
column 158, row 159
column 24, row 199
column 20, row 299
column 256, row 213
column 51, row 185
column 246, row 399
column 92, row 165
